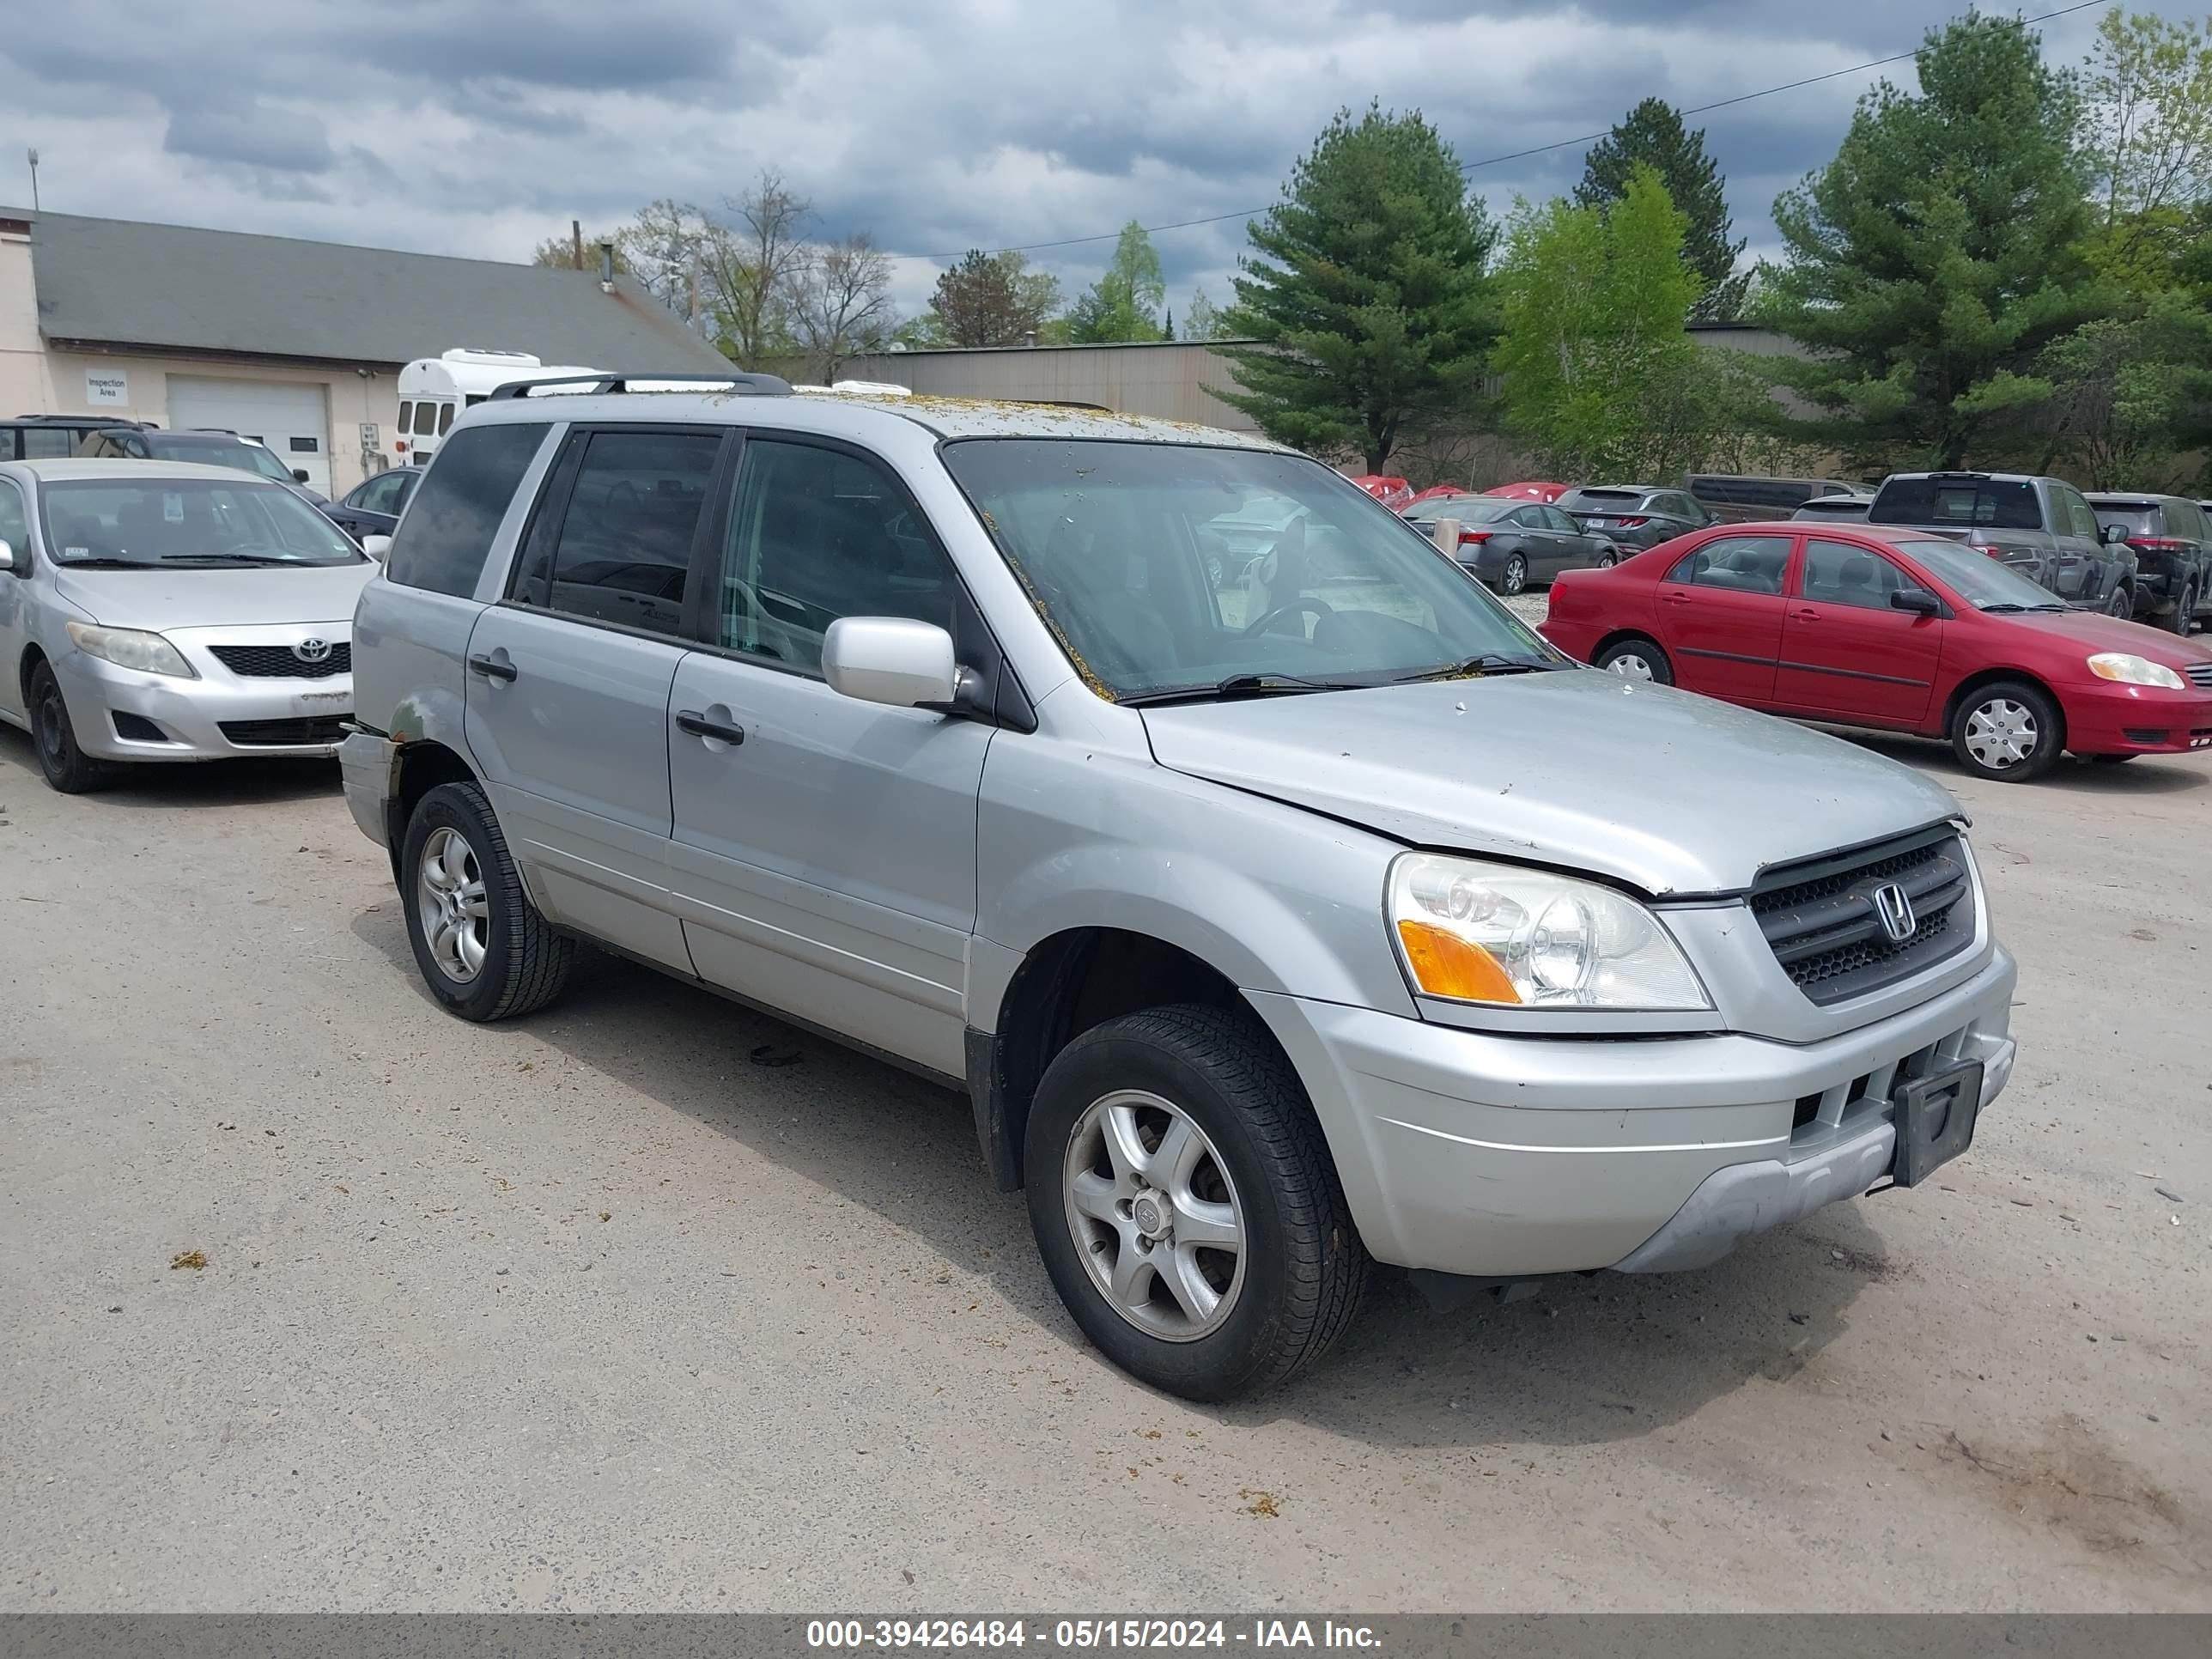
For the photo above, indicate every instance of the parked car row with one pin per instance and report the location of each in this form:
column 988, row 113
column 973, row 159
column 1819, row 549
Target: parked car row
column 1262, row 919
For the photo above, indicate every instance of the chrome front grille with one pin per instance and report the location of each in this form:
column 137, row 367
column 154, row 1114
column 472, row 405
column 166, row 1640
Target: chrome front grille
column 280, row 662
column 2201, row 674
column 1824, row 918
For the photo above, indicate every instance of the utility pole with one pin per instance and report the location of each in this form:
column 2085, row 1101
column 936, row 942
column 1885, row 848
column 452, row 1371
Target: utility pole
column 34, row 180
column 576, row 240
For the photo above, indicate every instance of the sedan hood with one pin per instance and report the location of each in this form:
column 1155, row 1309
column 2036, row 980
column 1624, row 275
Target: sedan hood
column 1669, row 793
column 160, row 598
column 2093, row 633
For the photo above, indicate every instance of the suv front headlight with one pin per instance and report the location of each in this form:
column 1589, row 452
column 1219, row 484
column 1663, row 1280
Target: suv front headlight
column 131, row 647
column 1495, row 933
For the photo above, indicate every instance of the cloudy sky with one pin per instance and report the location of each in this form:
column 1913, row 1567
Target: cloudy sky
column 479, row 127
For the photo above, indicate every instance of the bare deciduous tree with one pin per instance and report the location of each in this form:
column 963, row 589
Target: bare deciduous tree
column 843, row 303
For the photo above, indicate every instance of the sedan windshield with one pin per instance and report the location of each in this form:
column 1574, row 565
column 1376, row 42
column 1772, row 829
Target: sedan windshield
column 1145, row 560
column 186, row 522
column 1983, row 582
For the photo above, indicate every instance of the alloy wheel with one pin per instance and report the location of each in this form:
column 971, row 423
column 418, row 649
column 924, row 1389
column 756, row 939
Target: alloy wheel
column 2002, row 734
column 1516, row 574
column 1157, row 1221
column 449, row 894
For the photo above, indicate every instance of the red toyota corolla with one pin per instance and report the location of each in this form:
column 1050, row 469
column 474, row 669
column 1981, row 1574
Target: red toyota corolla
column 1892, row 628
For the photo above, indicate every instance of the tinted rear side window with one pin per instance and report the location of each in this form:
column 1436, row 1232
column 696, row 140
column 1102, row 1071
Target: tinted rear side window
column 623, row 552
column 448, row 534
column 1995, row 503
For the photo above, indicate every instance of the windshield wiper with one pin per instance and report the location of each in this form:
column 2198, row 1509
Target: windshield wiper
column 102, row 564
column 1485, row 663
column 1237, row 685
column 225, row 559
column 2006, row 608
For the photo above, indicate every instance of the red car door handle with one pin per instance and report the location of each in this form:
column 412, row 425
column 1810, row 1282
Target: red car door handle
column 1675, row 598
column 1805, row 613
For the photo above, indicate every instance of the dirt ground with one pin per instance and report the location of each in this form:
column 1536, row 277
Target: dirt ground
column 604, row 1309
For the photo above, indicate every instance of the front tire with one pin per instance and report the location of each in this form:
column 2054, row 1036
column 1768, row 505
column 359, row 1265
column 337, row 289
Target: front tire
column 1636, row 659
column 2122, row 604
column 69, row 770
column 481, row 945
column 2010, row 731
column 1186, row 1205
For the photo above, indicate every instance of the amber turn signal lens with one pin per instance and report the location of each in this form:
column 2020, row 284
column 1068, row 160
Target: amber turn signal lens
column 1446, row 965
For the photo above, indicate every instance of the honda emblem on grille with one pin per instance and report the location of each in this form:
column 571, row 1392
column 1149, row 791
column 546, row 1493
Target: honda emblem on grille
column 1893, row 907
column 312, row 651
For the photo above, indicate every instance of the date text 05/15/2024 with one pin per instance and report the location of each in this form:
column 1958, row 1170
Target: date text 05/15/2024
column 1110, row 1635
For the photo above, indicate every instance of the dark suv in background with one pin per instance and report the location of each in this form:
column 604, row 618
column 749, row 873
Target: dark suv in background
column 1634, row 516
column 144, row 443
column 1740, row 498
column 2173, row 541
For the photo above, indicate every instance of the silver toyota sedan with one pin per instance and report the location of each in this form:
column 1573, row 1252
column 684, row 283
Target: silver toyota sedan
column 152, row 611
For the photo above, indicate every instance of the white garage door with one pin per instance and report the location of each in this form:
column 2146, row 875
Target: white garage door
column 292, row 419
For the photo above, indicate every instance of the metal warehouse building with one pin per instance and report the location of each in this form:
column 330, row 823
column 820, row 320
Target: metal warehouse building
column 295, row 343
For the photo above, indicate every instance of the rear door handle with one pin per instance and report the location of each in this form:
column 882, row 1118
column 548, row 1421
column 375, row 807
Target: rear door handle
column 1804, row 614
column 1675, row 598
column 691, row 720
column 492, row 668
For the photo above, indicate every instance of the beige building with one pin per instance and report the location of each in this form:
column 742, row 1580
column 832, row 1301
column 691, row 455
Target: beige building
column 296, row 342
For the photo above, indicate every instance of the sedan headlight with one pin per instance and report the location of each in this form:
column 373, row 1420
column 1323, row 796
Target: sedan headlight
column 1496, row 933
column 131, row 647
column 2127, row 669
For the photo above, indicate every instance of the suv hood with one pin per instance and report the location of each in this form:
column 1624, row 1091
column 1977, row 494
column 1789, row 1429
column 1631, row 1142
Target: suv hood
column 1669, row 793
column 159, row 599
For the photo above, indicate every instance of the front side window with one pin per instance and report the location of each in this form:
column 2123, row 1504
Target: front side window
column 816, row 534
column 1985, row 583
column 1837, row 572
column 1114, row 541
column 1558, row 522
column 15, row 524
column 623, row 550
column 1740, row 564
column 380, row 495
column 186, row 522
column 443, row 544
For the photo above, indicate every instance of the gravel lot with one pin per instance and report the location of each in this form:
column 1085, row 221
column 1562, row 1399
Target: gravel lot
column 599, row 1311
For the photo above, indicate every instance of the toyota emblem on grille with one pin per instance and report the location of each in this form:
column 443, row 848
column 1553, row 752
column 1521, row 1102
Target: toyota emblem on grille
column 1892, row 907
column 312, row 651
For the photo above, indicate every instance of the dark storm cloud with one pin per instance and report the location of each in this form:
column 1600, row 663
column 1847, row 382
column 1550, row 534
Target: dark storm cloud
column 480, row 126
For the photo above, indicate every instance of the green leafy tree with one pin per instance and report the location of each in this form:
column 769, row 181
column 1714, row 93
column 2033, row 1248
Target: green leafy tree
column 1365, row 287
column 1652, row 134
column 1125, row 304
column 2126, row 392
column 1201, row 319
column 991, row 299
column 1600, row 380
column 1929, row 265
column 2147, row 129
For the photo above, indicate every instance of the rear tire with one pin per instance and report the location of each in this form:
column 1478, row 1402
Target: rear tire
column 2185, row 612
column 481, row 947
column 1257, row 1170
column 69, row 770
column 1607, row 560
column 1637, row 659
column 1515, row 577
column 2008, row 730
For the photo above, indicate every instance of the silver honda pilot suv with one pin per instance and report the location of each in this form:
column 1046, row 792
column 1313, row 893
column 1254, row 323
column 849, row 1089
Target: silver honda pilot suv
column 1282, row 904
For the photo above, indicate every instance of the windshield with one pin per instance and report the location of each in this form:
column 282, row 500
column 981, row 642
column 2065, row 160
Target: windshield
column 1982, row 581
column 1140, row 557
column 172, row 521
column 1998, row 503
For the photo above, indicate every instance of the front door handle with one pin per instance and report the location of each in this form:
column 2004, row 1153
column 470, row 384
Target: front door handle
column 691, row 720
column 492, row 668
column 1675, row 598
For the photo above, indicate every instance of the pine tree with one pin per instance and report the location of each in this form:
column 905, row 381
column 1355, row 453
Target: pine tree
column 1366, row 285
column 1652, row 134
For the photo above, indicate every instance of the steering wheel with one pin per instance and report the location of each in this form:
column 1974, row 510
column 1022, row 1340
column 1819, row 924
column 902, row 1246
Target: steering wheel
column 1299, row 606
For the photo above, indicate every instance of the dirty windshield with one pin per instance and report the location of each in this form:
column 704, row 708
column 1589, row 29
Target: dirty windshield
column 1169, row 569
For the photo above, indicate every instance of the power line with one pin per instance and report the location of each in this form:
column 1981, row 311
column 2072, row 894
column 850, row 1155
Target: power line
column 1520, row 154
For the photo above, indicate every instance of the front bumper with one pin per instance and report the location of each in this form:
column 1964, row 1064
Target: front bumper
column 2136, row 719
column 188, row 717
column 1467, row 1153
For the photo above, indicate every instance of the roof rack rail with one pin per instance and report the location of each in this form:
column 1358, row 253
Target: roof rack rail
column 753, row 386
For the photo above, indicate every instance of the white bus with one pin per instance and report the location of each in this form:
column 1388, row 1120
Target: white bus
column 433, row 390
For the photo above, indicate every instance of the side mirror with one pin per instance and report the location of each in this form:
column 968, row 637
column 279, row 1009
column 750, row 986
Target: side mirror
column 7, row 556
column 1918, row 600
column 893, row 660
column 2113, row 534
column 376, row 546
column 298, row 475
